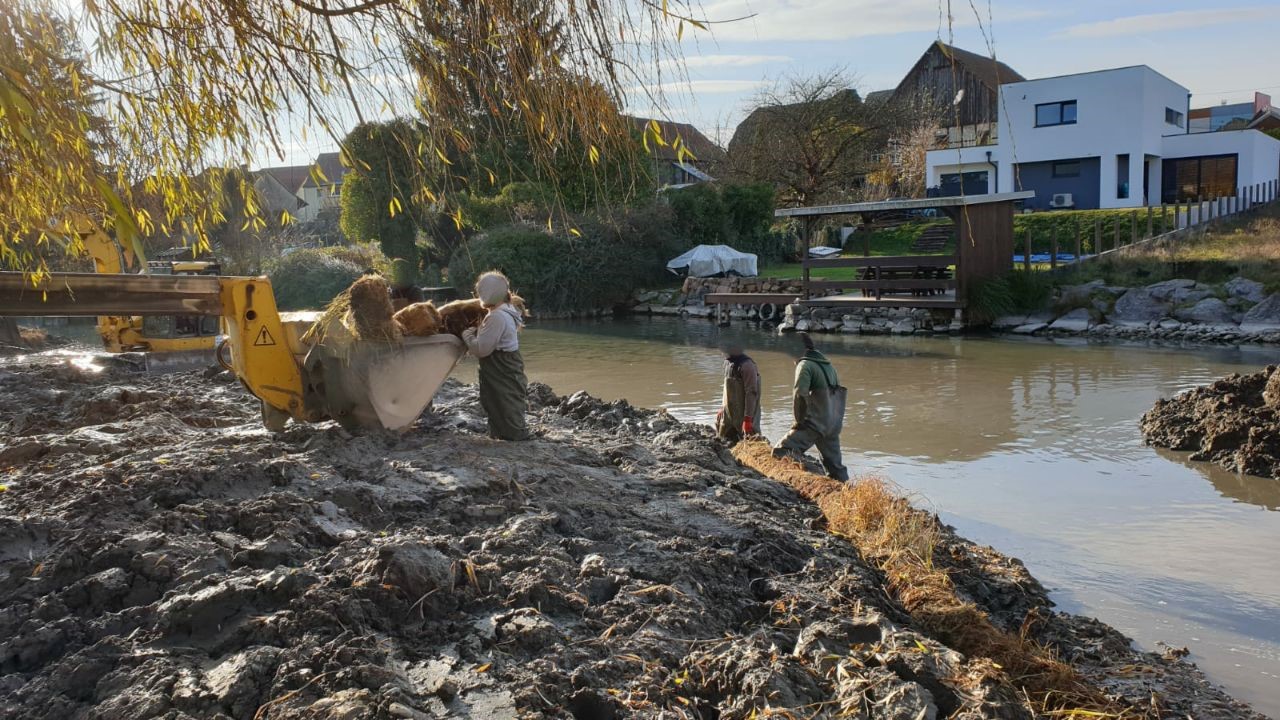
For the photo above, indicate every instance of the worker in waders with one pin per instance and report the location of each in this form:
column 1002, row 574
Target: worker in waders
column 818, row 402
column 740, row 406
column 503, row 386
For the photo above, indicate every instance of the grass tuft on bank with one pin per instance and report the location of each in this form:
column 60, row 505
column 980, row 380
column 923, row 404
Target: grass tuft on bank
column 902, row 541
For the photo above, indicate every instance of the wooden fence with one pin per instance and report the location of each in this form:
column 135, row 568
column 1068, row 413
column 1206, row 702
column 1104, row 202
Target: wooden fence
column 1147, row 225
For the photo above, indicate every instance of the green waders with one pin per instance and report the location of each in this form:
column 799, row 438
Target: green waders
column 819, row 405
column 503, row 394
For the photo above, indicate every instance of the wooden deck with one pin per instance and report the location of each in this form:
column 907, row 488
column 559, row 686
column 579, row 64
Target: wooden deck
column 947, row 301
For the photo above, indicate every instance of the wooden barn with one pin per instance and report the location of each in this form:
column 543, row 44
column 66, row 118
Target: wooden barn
column 945, row 71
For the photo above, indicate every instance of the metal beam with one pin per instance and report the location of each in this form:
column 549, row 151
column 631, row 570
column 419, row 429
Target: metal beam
column 90, row 294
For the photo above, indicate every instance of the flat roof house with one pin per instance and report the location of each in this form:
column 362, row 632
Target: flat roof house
column 1107, row 139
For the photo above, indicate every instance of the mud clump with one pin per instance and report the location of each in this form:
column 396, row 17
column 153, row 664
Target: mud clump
column 163, row 556
column 1234, row 422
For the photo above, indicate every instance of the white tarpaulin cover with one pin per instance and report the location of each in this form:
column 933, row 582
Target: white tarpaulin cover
column 823, row 252
column 708, row 260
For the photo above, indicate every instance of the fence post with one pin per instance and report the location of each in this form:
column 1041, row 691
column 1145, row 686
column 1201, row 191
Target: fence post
column 1115, row 241
column 1164, row 218
column 1026, row 252
column 1133, row 227
column 1053, row 250
column 1079, row 245
column 1097, row 237
column 1151, row 222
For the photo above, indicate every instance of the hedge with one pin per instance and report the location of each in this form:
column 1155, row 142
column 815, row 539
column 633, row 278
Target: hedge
column 1070, row 223
column 307, row 279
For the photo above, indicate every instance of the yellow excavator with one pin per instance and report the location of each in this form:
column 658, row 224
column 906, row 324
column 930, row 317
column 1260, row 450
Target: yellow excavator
column 295, row 376
column 191, row 336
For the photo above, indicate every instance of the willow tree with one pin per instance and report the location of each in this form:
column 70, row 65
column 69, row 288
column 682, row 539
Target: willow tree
column 184, row 85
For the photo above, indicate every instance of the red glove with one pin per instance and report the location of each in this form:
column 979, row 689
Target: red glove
column 748, row 426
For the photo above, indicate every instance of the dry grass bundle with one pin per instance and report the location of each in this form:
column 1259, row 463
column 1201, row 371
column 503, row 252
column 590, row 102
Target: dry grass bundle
column 419, row 319
column 372, row 314
column 901, row 540
column 459, row 315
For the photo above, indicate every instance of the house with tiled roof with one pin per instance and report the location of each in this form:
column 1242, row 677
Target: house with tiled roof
column 322, row 188
column 670, row 168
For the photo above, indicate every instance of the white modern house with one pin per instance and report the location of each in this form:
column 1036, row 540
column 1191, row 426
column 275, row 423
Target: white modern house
column 1107, row 139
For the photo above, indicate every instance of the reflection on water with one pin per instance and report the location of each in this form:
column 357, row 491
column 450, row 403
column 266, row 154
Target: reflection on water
column 1032, row 447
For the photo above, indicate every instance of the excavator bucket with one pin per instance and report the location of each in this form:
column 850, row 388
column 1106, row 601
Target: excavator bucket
column 368, row 385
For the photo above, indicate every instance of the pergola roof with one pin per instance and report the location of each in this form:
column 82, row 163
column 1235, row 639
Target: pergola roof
column 918, row 204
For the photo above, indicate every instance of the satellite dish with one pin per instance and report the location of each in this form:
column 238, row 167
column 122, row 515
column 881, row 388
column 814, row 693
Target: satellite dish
column 959, row 97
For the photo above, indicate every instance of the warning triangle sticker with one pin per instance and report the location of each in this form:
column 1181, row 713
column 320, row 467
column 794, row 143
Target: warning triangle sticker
column 264, row 338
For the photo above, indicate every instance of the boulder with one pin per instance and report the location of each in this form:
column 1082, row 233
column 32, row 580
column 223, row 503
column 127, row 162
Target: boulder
column 1190, row 296
column 1245, row 289
column 1210, row 311
column 904, row 327
column 1075, row 321
column 1029, row 328
column 1263, row 316
column 1139, row 307
column 1079, row 295
column 1165, row 290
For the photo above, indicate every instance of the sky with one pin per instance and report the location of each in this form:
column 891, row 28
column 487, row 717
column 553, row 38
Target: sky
column 1221, row 53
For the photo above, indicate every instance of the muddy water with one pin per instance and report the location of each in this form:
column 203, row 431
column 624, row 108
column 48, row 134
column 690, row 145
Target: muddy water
column 1031, row 447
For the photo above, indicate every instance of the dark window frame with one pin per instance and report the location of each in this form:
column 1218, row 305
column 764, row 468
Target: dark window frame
column 1054, row 173
column 1062, row 106
column 1179, row 120
column 1171, row 189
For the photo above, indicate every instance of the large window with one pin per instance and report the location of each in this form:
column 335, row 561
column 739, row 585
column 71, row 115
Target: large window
column 1066, row 169
column 1172, row 117
column 1056, row 113
column 1190, row 179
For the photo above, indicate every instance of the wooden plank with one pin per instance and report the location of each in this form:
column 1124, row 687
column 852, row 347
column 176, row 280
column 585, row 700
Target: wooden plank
column 92, row 294
column 751, row 298
column 1151, row 221
column 903, row 284
column 1053, row 250
column 1026, row 253
column 884, row 261
column 905, row 301
column 1097, row 237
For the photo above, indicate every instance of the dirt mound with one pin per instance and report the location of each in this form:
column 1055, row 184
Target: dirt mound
column 161, row 555
column 1234, row 422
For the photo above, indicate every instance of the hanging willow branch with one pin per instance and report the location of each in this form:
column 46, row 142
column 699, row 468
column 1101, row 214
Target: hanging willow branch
column 131, row 111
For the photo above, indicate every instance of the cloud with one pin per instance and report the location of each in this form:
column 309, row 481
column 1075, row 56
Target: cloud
column 694, row 62
column 699, row 87
column 817, row 20
column 1164, row 22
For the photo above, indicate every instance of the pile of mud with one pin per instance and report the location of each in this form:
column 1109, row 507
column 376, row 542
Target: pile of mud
column 161, row 555
column 1234, row 422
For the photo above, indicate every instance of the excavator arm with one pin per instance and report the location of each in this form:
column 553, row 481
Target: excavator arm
column 260, row 353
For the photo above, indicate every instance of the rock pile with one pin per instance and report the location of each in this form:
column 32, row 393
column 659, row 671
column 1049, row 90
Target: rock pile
column 1181, row 309
column 1234, row 422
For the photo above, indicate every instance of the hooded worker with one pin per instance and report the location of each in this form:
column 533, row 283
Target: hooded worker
column 818, row 402
column 503, row 386
column 740, row 405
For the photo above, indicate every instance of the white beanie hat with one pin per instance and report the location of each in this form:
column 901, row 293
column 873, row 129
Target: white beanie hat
column 492, row 288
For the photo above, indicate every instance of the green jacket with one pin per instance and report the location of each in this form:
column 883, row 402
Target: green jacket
column 812, row 402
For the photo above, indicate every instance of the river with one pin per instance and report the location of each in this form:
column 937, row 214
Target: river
column 1029, row 446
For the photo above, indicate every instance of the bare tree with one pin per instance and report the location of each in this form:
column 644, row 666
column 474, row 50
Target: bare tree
column 812, row 137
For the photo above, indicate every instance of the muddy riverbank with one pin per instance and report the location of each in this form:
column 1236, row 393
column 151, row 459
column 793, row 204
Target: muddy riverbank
column 163, row 556
column 1234, row 422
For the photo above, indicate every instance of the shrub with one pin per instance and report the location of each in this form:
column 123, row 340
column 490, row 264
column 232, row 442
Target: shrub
column 309, row 278
column 1014, row 293
column 735, row 215
column 600, row 267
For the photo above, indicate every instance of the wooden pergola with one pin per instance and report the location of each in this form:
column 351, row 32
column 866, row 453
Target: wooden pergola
column 984, row 250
